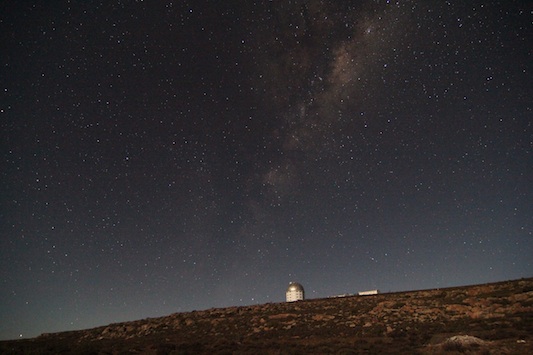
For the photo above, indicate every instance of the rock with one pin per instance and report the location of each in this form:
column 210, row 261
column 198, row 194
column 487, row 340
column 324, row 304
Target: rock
column 462, row 343
column 321, row 317
column 282, row 316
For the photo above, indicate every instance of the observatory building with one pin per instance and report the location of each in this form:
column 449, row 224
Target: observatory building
column 295, row 292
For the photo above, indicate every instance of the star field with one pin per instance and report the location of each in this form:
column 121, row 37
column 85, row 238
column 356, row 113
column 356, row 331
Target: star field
column 171, row 156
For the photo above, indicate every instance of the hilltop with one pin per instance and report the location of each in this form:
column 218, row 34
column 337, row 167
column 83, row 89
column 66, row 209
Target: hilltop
column 494, row 318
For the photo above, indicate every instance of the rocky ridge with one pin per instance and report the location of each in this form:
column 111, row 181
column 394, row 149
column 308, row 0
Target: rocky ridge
column 498, row 315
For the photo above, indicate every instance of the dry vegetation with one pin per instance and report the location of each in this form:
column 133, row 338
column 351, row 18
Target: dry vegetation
column 485, row 319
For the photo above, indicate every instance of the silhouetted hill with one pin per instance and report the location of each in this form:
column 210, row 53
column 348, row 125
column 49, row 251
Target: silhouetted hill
column 493, row 318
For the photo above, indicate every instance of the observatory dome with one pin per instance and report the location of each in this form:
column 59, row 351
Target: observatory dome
column 295, row 292
column 295, row 286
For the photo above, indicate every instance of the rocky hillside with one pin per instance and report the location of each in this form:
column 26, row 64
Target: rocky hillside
column 487, row 319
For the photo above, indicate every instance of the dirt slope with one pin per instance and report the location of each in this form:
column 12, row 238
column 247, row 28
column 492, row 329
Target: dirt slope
column 486, row 319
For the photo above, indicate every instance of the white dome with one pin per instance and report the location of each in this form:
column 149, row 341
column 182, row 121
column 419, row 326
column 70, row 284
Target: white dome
column 295, row 286
column 295, row 292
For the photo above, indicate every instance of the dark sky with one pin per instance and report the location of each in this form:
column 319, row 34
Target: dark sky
column 161, row 157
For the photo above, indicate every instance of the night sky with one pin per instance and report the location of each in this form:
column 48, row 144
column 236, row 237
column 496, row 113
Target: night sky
column 161, row 157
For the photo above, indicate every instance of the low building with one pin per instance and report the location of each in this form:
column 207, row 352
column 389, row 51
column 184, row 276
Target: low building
column 341, row 296
column 367, row 293
column 295, row 292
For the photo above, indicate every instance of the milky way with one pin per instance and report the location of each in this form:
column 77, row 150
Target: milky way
column 160, row 158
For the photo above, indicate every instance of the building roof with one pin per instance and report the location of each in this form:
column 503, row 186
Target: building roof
column 295, row 286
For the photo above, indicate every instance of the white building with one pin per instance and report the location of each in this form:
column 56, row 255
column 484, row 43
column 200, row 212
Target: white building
column 295, row 292
column 367, row 293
